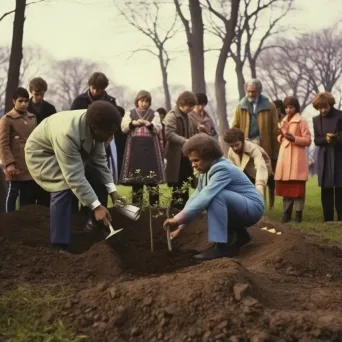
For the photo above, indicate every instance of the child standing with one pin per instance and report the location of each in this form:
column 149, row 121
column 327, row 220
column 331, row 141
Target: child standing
column 142, row 157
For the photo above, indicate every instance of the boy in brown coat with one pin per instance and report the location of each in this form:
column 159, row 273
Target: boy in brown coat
column 15, row 128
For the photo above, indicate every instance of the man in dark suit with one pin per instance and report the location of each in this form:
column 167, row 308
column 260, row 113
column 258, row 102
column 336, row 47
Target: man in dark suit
column 41, row 109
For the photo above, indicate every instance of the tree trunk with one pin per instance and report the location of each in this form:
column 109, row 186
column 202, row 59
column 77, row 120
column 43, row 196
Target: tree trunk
column 252, row 65
column 240, row 79
column 163, row 68
column 196, row 47
column 16, row 53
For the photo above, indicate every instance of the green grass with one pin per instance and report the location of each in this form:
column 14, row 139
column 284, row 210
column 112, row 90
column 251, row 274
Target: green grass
column 20, row 311
column 312, row 215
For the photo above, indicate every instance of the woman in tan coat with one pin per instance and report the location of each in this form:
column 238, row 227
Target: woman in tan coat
column 292, row 167
column 15, row 128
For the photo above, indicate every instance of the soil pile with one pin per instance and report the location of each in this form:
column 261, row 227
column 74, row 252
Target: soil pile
column 280, row 286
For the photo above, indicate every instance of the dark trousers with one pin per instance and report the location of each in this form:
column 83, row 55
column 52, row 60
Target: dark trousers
column 330, row 198
column 138, row 192
column 61, row 210
column 42, row 196
column 25, row 190
column 180, row 195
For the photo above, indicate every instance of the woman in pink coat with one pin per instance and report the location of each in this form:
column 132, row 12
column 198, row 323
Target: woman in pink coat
column 292, row 167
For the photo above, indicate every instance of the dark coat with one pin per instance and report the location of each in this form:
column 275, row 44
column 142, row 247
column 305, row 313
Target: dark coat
column 83, row 101
column 329, row 158
column 46, row 110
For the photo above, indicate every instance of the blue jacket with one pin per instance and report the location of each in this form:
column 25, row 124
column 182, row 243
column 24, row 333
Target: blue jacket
column 222, row 175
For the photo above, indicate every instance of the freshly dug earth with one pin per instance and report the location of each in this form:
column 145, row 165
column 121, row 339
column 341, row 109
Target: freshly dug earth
column 279, row 287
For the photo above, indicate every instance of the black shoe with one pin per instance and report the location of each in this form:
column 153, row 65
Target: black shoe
column 299, row 216
column 286, row 218
column 217, row 250
column 243, row 237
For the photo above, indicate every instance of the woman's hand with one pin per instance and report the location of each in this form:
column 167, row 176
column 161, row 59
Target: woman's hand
column 175, row 233
column 170, row 222
column 290, row 137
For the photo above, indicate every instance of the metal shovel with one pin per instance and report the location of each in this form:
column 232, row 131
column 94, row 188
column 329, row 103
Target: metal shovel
column 112, row 231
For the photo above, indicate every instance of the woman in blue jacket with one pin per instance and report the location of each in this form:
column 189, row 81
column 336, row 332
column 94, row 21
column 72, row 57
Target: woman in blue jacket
column 232, row 202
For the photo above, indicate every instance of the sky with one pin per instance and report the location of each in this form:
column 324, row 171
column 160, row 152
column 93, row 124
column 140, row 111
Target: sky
column 93, row 29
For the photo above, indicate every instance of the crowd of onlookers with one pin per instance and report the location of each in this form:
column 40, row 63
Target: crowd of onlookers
column 269, row 141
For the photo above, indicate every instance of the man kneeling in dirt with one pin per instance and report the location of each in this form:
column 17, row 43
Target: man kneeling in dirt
column 56, row 153
column 232, row 202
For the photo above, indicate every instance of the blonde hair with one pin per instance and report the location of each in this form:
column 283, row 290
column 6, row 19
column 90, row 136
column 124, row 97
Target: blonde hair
column 323, row 100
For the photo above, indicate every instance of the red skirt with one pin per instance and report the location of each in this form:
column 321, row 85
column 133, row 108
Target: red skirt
column 290, row 188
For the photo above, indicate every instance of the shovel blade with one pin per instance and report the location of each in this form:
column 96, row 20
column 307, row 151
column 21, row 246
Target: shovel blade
column 113, row 233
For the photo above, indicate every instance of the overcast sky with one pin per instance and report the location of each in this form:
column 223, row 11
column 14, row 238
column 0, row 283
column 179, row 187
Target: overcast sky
column 93, row 30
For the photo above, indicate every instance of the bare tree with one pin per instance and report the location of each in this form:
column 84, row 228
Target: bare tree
column 282, row 75
column 16, row 52
column 4, row 60
column 227, row 14
column 304, row 66
column 124, row 95
column 321, row 57
column 252, row 16
column 5, row 14
column 194, row 30
column 146, row 18
column 69, row 79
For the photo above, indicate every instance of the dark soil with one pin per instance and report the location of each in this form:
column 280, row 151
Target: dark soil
column 283, row 286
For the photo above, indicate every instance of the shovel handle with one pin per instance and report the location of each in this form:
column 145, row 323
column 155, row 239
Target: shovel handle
column 169, row 244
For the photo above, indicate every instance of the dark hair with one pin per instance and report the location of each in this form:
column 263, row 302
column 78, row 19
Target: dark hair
column 202, row 99
column 279, row 104
column 233, row 135
column 323, row 99
column 162, row 111
column 187, row 98
column 292, row 101
column 206, row 146
column 121, row 111
column 143, row 95
column 98, row 80
column 103, row 116
column 20, row 92
column 38, row 84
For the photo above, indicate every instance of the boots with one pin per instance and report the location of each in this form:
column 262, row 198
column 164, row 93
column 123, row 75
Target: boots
column 299, row 216
column 287, row 213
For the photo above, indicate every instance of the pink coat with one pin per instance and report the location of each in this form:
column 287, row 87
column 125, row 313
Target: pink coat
column 292, row 161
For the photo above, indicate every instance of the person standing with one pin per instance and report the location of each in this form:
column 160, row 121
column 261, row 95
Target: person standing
column 56, row 154
column 201, row 118
column 15, row 128
column 258, row 118
column 143, row 150
column 178, row 129
column 292, row 169
column 328, row 137
column 41, row 109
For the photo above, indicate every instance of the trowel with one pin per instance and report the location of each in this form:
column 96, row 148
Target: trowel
column 112, row 231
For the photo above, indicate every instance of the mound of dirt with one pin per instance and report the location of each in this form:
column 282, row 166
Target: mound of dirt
column 277, row 287
column 298, row 255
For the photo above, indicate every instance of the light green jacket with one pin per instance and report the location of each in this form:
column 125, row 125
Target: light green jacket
column 57, row 150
